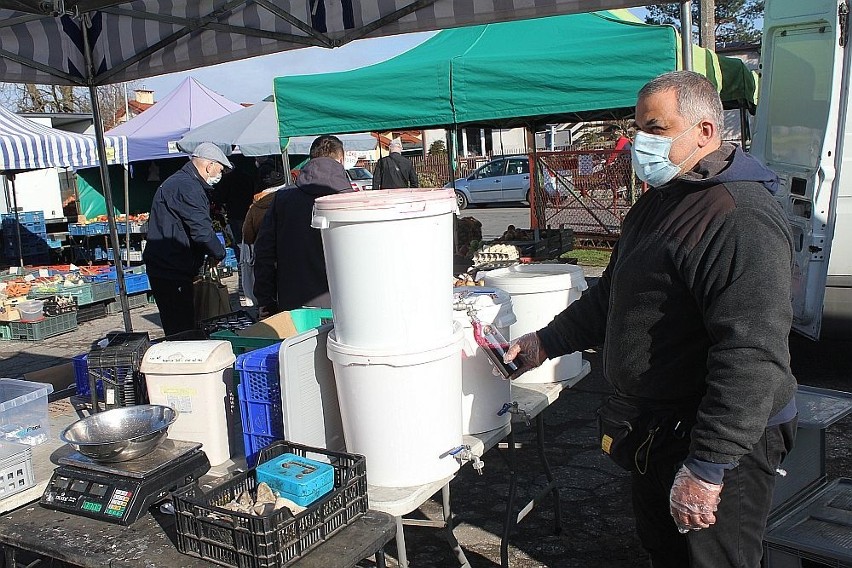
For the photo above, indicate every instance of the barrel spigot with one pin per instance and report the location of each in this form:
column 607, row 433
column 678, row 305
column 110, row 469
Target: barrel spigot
column 514, row 409
column 464, row 454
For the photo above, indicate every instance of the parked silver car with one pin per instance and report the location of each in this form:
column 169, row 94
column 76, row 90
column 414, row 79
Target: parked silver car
column 361, row 178
column 498, row 181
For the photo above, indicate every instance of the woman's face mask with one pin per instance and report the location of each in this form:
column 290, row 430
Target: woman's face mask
column 650, row 156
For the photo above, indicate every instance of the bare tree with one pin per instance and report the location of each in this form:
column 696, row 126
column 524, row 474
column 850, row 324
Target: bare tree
column 32, row 98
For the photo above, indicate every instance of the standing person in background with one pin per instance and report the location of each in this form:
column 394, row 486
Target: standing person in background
column 694, row 315
column 394, row 170
column 235, row 192
column 180, row 235
column 254, row 218
column 289, row 264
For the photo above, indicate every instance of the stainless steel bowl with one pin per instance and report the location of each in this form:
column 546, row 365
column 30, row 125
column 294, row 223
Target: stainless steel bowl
column 120, row 434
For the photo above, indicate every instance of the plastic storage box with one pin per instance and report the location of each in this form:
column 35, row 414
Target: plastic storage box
column 23, row 411
column 206, row 530
column 16, row 468
column 31, row 310
column 301, row 480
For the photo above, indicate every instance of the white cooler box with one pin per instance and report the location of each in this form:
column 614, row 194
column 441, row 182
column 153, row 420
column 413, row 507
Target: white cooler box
column 196, row 379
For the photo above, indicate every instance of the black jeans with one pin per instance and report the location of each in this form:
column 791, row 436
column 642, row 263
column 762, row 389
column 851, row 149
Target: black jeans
column 175, row 304
column 736, row 539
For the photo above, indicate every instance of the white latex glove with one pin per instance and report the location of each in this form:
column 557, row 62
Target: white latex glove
column 693, row 501
column 527, row 352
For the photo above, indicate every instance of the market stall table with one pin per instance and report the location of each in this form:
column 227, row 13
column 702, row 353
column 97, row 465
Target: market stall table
column 150, row 542
column 533, row 399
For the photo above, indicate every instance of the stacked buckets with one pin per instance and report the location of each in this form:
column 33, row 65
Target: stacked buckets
column 395, row 347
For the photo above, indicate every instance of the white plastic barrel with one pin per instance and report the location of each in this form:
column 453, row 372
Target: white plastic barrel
column 403, row 412
column 539, row 292
column 196, row 379
column 388, row 255
column 483, row 393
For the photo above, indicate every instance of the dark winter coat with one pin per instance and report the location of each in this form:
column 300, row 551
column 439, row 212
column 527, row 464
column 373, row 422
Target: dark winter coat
column 180, row 231
column 289, row 264
column 695, row 304
column 394, row 171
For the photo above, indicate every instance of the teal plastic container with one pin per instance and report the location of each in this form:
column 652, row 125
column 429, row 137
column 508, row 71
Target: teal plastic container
column 298, row 479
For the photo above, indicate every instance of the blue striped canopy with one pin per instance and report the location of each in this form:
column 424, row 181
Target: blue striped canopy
column 27, row 145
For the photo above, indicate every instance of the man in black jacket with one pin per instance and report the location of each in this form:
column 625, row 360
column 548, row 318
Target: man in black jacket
column 694, row 314
column 394, row 170
column 180, row 235
column 289, row 264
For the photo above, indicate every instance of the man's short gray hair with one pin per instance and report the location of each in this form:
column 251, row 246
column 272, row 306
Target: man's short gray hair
column 697, row 98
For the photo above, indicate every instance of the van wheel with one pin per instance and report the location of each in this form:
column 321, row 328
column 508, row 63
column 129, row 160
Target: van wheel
column 461, row 200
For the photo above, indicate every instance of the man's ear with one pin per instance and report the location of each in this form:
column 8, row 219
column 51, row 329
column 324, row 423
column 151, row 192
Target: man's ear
column 707, row 133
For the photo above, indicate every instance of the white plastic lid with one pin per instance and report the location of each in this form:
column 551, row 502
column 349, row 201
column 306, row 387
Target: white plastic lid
column 383, row 205
column 490, row 305
column 187, row 357
column 533, row 278
column 18, row 392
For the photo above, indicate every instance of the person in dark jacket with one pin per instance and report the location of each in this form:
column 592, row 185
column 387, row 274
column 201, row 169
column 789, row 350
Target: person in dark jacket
column 180, row 235
column 289, row 264
column 394, row 170
column 254, row 218
column 694, row 313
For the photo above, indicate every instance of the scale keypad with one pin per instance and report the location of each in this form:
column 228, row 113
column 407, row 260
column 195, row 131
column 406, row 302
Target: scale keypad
column 118, row 504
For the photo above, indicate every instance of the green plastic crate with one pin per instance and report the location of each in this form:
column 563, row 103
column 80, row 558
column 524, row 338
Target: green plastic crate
column 5, row 332
column 304, row 319
column 48, row 327
column 88, row 293
column 133, row 301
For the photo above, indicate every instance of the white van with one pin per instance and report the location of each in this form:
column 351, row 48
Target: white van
column 804, row 133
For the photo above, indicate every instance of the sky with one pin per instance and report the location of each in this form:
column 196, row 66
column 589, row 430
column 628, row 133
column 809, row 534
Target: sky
column 250, row 80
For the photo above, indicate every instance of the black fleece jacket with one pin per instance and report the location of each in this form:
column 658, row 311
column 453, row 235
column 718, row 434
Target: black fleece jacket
column 695, row 304
column 289, row 264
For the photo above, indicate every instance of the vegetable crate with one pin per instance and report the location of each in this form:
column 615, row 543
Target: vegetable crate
column 206, row 530
column 48, row 327
column 133, row 301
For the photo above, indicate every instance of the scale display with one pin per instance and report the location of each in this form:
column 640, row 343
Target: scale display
column 122, row 492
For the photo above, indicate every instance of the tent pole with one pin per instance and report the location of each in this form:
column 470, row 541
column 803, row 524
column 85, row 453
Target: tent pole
column 127, row 211
column 285, row 159
column 743, row 127
column 686, row 33
column 11, row 178
column 104, row 168
column 451, row 149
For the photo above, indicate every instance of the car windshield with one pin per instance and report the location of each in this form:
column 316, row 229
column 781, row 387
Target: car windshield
column 360, row 173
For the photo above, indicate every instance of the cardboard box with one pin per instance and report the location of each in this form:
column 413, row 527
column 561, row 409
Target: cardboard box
column 8, row 313
column 279, row 326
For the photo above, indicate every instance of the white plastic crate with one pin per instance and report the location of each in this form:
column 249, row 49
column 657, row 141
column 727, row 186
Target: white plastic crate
column 16, row 469
column 23, row 411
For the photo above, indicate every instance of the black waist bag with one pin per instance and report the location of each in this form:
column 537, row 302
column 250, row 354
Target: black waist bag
column 633, row 436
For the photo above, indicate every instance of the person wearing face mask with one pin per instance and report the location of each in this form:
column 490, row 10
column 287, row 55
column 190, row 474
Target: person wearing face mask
column 289, row 263
column 180, row 235
column 693, row 313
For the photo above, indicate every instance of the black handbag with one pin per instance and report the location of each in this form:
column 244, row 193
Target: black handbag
column 632, row 435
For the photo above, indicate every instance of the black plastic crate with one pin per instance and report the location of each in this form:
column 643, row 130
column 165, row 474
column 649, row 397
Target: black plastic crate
column 117, row 367
column 233, row 321
column 206, row 530
column 91, row 312
column 57, row 305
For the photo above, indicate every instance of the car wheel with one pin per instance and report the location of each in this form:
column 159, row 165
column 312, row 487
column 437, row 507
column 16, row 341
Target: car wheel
column 527, row 197
column 461, row 200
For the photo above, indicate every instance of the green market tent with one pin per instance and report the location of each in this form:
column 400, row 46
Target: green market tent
column 554, row 69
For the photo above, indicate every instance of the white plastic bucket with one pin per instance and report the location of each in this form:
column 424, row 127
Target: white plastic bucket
column 539, row 292
column 403, row 412
column 483, row 392
column 388, row 255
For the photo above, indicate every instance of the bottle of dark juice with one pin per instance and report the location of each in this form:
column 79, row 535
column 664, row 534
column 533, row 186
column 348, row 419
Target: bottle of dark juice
column 495, row 346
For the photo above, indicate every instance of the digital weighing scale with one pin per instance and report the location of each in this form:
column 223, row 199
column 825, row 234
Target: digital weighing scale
column 122, row 492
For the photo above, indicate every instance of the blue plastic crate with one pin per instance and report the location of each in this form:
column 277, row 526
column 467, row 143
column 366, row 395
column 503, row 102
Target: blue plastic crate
column 221, row 238
column 77, row 230
column 25, row 217
column 261, row 418
column 81, row 376
column 258, row 371
column 134, row 283
column 99, row 228
column 254, row 444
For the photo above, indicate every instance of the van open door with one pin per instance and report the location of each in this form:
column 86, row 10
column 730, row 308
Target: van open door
column 801, row 125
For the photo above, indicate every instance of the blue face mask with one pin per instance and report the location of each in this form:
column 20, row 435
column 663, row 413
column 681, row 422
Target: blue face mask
column 650, row 155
